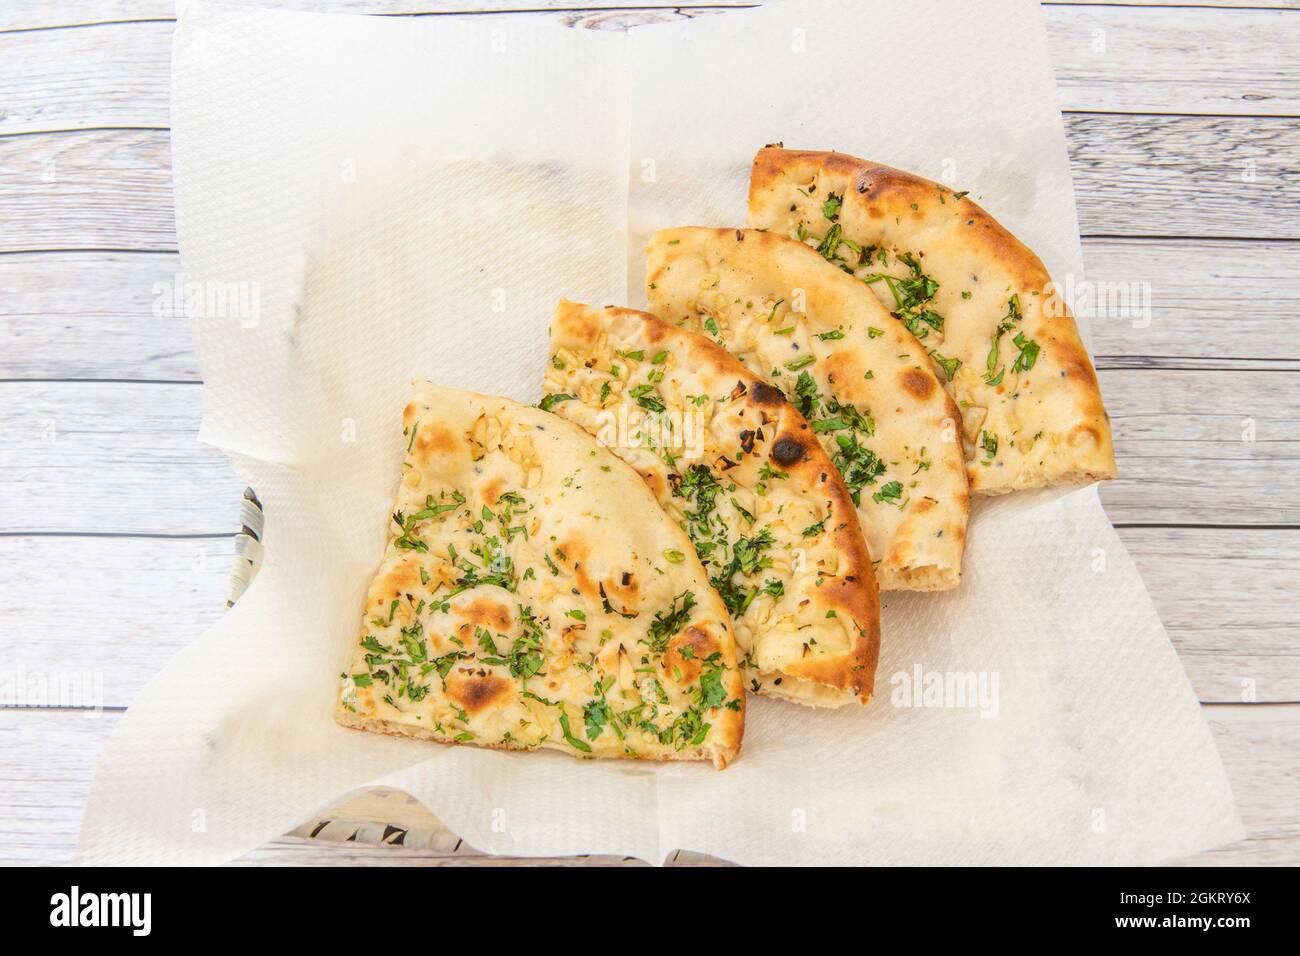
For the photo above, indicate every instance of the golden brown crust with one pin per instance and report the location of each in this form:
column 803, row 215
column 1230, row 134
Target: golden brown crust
column 524, row 601
column 720, row 758
column 824, row 626
column 826, row 340
column 1040, row 421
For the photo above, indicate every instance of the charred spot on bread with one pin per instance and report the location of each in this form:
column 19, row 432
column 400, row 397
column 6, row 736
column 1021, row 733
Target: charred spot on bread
column 765, row 394
column 788, row 450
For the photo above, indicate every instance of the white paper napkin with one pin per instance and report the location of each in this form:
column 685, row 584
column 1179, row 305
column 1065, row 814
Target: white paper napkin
column 389, row 199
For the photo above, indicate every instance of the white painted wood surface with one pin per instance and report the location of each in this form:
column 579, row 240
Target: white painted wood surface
column 1184, row 134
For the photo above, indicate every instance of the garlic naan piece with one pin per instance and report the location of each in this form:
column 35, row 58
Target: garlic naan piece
column 732, row 462
column 533, row 595
column 859, row 377
column 980, row 302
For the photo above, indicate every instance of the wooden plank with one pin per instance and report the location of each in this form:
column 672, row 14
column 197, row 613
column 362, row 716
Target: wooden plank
column 1203, row 447
column 1228, row 600
column 112, row 75
column 107, row 189
column 1198, row 575
column 110, row 458
column 111, row 189
column 1225, row 595
column 119, row 74
column 43, row 14
column 123, row 457
column 91, row 315
column 1175, row 60
column 1207, row 60
column 1185, row 176
column 1213, row 304
column 137, row 602
column 1197, row 303
column 1260, row 747
column 47, row 760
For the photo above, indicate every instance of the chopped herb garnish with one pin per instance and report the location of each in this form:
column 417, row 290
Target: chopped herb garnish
column 949, row 365
column 890, row 492
column 815, row 529
column 572, row 741
column 550, row 401
column 669, row 622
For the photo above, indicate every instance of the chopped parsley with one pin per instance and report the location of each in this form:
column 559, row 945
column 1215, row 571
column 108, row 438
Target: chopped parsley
column 1028, row 347
column 572, row 741
column 596, row 715
column 669, row 622
column 911, row 297
column 949, row 365
column 890, row 492
column 747, row 559
column 550, row 401
column 858, row 465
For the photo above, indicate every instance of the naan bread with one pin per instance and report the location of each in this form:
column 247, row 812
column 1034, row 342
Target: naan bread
column 978, row 300
column 740, row 470
column 532, row 594
column 856, row 374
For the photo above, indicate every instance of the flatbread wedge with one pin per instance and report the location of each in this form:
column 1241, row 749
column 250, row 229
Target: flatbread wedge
column 978, row 299
column 731, row 461
column 527, row 599
column 860, row 378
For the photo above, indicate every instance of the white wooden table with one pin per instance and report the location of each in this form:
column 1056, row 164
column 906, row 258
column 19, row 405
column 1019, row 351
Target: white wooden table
column 116, row 526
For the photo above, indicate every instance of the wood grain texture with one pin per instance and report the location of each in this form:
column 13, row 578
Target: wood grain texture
column 1208, row 61
column 111, row 189
column 124, row 458
column 1204, row 447
column 1200, row 208
column 1154, row 175
column 1225, row 597
column 47, row 761
column 1213, row 304
column 117, row 633
column 92, row 315
column 110, row 458
column 42, row 14
column 104, row 189
column 1222, row 593
column 1175, row 60
column 1194, row 304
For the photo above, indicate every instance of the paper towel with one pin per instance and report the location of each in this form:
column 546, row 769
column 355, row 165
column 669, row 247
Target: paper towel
column 409, row 198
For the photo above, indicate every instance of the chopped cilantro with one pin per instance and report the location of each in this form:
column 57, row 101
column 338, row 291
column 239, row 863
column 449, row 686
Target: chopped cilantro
column 550, row 401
